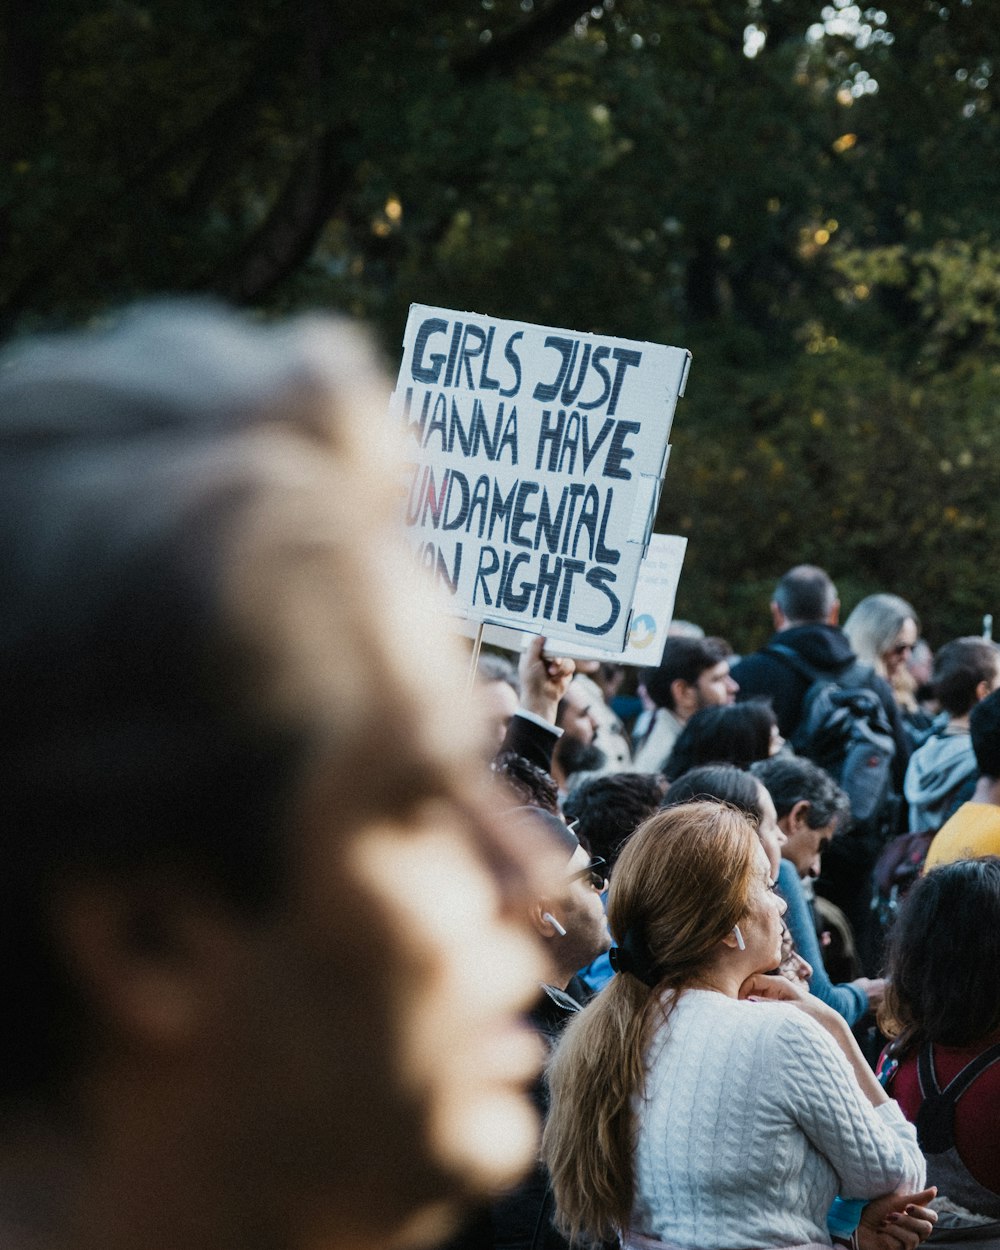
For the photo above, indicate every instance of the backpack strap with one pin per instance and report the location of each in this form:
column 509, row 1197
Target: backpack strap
column 936, row 1117
column 974, row 1068
column 926, row 1075
column 853, row 673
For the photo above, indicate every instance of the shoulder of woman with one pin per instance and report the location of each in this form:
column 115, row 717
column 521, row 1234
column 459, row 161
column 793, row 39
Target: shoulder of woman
column 806, row 1041
column 764, row 1020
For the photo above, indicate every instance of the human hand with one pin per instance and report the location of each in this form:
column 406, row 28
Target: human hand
column 897, row 1221
column 763, row 986
column 794, row 968
column 874, row 988
column 766, row 987
column 544, row 679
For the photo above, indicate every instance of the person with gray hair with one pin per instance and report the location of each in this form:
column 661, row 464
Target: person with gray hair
column 808, row 642
column 883, row 630
column 235, row 942
column 804, row 595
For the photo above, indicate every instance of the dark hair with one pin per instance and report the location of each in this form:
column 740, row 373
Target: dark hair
column 574, row 756
column 161, row 700
column 528, row 784
column 725, row 783
column 789, row 779
column 984, row 729
column 609, row 809
column 738, row 733
column 943, row 958
column 805, row 595
column 535, row 826
column 684, row 659
column 959, row 667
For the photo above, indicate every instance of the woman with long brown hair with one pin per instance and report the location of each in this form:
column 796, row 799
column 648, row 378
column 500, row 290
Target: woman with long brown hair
column 686, row 1110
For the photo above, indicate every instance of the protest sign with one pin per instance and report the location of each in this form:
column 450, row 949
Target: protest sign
column 653, row 607
column 536, row 457
column 652, row 611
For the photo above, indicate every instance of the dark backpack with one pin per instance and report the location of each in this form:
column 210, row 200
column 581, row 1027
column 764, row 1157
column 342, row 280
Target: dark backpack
column 899, row 864
column 844, row 728
column 935, row 1122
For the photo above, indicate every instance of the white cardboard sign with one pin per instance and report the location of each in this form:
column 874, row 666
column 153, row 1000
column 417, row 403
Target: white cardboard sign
column 535, row 466
column 653, row 608
column 652, row 611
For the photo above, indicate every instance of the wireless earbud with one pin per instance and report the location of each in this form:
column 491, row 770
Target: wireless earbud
column 547, row 915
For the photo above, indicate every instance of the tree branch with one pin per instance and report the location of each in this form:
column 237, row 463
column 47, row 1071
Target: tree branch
column 60, row 250
column 316, row 184
column 24, row 50
column 532, row 37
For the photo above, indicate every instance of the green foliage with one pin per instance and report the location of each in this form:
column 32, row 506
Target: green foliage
column 888, row 485
column 952, row 289
column 816, row 221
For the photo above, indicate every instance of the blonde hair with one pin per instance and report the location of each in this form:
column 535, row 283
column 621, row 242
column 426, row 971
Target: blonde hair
column 874, row 625
column 681, row 884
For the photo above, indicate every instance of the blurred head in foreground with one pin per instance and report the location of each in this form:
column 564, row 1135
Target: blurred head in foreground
column 252, row 888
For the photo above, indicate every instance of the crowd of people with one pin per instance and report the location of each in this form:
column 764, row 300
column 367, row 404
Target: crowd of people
column 672, row 1113
column 293, row 915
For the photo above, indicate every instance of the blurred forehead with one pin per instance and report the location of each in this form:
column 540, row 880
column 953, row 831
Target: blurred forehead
column 239, row 529
column 344, row 642
column 355, row 647
column 497, row 698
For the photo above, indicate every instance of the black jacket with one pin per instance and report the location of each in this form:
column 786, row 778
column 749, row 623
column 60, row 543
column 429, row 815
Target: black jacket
column 535, row 742
column 825, row 648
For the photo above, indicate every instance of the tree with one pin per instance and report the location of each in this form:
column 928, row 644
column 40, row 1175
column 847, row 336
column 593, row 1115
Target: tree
column 801, row 193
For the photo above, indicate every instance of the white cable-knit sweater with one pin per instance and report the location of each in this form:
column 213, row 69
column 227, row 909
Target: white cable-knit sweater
column 751, row 1123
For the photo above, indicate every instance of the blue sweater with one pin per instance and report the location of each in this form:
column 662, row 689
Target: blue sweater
column 849, row 1000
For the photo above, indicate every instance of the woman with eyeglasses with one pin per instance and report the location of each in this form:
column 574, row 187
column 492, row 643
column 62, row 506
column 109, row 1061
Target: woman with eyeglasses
column 883, row 630
column 698, row 1103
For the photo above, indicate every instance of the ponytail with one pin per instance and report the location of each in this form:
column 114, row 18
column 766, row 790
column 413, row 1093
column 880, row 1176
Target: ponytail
column 589, row 1137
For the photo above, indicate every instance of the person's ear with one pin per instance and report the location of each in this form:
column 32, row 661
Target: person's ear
column 685, row 698
column 545, row 923
column 798, row 817
column 146, row 956
column 833, row 616
column 778, row 618
column 983, row 688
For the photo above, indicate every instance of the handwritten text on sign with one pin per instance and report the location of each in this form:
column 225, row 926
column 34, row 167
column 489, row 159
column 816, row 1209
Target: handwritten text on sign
column 537, row 457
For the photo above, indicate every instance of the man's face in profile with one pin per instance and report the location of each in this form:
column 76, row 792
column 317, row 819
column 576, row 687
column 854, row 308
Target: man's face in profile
column 390, row 988
column 715, row 687
column 290, row 950
column 468, row 969
column 385, row 1050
